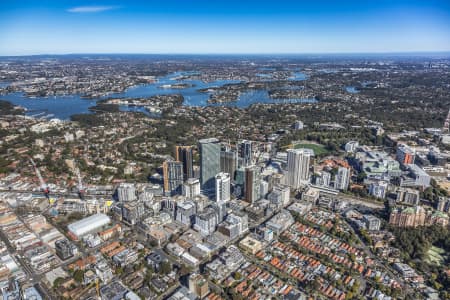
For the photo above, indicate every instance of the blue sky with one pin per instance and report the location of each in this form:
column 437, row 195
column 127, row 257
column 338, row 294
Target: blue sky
column 227, row 26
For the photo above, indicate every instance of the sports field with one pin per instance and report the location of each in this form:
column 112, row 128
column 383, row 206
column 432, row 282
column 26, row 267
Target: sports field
column 319, row 150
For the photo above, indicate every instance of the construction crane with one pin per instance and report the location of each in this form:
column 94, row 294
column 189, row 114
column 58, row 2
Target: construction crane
column 97, row 288
column 44, row 187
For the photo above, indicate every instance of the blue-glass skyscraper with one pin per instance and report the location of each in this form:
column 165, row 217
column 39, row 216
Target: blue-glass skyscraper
column 209, row 163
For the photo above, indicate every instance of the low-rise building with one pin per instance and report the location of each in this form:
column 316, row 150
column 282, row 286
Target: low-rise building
column 198, row 285
column 156, row 259
column 351, row 146
column 113, row 291
column 88, row 225
column 104, row 272
column 281, row 194
column 372, row 222
column 280, row 222
column 65, row 249
column 378, row 189
column 443, row 204
column 250, row 245
column 405, row 270
column 206, row 221
column 417, row 178
column 132, row 212
column 311, row 195
column 185, row 212
column 126, row 257
column 408, row 196
column 232, row 258
column 110, row 232
column 417, row 216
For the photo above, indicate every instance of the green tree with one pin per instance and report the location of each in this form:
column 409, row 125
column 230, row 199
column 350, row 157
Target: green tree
column 361, row 176
column 237, row 276
column 57, row 282
column 78, row 275
column 165, row 268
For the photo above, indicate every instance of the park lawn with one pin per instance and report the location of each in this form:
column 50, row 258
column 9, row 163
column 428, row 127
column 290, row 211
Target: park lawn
column 319, row 150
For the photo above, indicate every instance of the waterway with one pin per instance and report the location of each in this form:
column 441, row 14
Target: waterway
column 351, row 90
column 62, row 107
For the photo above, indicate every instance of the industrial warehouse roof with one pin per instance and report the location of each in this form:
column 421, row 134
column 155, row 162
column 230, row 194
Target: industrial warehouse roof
column 89, row 224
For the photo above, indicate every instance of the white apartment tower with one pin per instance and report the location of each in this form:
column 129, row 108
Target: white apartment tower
column 126, row 192
column 191, row 188
column 223, row 187
column 342, row 179
column 298, row 167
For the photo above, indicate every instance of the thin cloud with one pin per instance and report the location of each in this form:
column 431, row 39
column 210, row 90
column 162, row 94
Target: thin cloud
column 91, row 9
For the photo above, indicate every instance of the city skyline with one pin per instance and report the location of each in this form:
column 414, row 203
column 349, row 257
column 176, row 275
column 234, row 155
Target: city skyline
column 225, row 150
column 219, row 177
column 177, row 27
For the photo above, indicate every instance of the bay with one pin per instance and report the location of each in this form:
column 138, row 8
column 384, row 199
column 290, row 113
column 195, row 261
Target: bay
column 62, row 107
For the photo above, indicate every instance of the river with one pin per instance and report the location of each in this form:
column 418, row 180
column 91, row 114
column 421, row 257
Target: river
column 62, row 107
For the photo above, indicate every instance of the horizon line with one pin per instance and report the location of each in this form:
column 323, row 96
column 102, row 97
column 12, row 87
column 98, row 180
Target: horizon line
column 447, row 52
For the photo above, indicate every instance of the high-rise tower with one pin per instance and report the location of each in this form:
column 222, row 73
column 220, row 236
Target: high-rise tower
column 342, row 179
column 298, row 167
column 222, row 187
column 173, row 177
column 209, row 163
column 252, row 184
column 245, row 151
column 228, row 162
column 184, row 154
